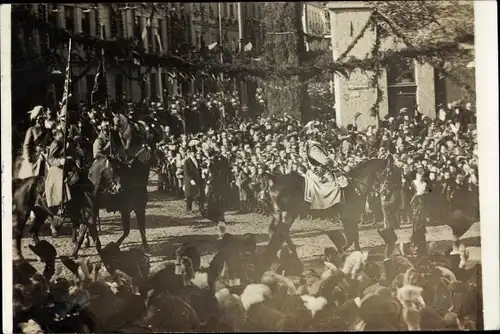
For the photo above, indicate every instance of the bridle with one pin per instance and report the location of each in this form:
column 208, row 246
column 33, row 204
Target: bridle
column 382, row 175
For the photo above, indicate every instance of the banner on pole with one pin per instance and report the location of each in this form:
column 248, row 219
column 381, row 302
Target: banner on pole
column 67, row 83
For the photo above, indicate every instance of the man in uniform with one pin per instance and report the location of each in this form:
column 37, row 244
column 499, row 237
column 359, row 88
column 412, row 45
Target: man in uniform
column 102, row 143
column 60, row 159
column 34, row 143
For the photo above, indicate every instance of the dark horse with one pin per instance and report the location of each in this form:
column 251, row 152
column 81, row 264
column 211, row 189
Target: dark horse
column 287, row 196
column 131, row 171
column 28, row 196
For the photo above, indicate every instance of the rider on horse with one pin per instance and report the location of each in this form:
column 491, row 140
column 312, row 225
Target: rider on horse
column 34, row 144
column 102, row 142
column 61, row 159
column 318, row 156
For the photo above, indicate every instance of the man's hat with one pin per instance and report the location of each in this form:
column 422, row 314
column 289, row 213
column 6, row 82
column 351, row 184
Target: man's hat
column 35, row 112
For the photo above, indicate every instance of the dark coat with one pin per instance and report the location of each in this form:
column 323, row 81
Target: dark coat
column 192, row 172
column 219, row 191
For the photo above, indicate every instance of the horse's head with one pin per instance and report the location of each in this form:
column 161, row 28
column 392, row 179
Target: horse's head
column 116, row 121
column 391, row 175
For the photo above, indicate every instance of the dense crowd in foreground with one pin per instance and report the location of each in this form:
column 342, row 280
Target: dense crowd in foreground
column 240, row 291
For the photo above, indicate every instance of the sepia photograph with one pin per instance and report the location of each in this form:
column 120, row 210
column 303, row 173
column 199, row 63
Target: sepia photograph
column 248, row 167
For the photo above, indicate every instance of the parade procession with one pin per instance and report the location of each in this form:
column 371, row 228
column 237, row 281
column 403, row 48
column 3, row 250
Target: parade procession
column 222, row 172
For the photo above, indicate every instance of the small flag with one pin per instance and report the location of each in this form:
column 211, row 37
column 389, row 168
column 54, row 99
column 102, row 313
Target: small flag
column 99, row 90
column 213, row 45
column 248, row 47
column 67, row 82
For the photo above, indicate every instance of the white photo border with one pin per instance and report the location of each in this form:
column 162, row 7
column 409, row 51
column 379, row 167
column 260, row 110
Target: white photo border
column 486, row 62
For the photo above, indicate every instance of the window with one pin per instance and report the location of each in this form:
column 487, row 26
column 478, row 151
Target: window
column 69, row 17
column 86, row 23
column 160, row 36
column 402, row 89
column 231, row 10
column 401, row 72
column 224, row 9
column 150, row 37
column 115, row 21
column 53, row 13
column 137, row 28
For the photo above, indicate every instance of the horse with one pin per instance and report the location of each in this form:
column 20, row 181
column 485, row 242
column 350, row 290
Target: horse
column 287, row 195
column 133, row 173
column 28, row 196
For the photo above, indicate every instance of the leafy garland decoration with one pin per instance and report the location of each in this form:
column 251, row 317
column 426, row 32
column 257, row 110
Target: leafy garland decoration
column 355, row 41
column 377, row 71
column 431, row 57
column 254, row 70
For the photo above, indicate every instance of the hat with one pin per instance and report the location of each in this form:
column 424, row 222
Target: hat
column 35, row 112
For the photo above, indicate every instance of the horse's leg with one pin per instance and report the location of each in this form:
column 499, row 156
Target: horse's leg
column 40, row 217
column 141, row 222
column 92, row 226
column 281, row 234
column 125, row 214
column 86, row 243
column 276, row 219
column 80, row 229
column 351, row 232
column 19, row 224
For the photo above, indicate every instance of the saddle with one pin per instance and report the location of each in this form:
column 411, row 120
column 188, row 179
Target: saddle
column 323, row 195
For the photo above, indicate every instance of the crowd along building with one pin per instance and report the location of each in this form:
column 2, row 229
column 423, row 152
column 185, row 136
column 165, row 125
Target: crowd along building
column 405, row 84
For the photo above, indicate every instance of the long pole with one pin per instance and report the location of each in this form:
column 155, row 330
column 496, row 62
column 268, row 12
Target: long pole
column 221, row 85
column 65, row 103
column 241, row 18
column 159, row 70
column 304, row 23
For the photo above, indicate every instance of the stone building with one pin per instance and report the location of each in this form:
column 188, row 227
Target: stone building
column 406, row 85
column 174, row 26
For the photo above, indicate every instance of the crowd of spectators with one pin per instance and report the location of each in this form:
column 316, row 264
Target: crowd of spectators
column 442, row 151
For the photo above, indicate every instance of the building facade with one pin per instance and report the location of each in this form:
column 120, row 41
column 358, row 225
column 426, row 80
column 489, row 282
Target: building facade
column 406, row 84
column 315, row 21
column 173, row 27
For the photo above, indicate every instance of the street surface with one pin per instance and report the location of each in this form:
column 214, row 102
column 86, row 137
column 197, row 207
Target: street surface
column 168, row 225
